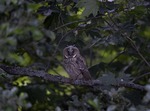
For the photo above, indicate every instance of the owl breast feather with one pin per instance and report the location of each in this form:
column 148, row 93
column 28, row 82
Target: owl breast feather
column 72, row 68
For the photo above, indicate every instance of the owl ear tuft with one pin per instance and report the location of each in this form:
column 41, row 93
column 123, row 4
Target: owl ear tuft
column 71, row 45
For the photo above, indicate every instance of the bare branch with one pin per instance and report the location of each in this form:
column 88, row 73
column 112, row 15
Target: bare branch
column 60, row 79
column 119, row 54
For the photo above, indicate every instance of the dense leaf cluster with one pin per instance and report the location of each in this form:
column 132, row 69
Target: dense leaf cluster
column 113, row 36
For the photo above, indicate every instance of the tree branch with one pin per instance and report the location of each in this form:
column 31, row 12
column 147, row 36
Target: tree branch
column 124, row 34
column 78, row 21
column 60, row 79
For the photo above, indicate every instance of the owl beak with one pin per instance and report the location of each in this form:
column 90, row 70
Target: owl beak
column 74, row 55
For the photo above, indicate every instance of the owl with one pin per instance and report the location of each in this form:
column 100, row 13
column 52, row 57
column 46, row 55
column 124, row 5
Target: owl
column 75, row 64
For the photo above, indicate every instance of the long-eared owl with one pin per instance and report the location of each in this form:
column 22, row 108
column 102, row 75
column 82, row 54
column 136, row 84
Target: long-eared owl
column 75, row 64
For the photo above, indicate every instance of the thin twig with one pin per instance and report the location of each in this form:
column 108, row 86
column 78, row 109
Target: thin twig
column 56, row 72
column 135, row 47
column 60, row 41
column 64, row 25
column 128, row 39
column 78, row 21
column 119, row 54
column 70, row 30
column 91, row 57
column 142, row 75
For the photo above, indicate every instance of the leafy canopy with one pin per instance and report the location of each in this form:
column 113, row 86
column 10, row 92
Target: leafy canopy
column 113, row 36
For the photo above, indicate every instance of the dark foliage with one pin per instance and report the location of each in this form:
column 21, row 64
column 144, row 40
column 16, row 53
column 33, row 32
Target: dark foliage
column 113, row 36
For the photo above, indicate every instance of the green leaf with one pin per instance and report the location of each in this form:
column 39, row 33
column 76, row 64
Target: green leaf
column 50, row 34
column 90, row 7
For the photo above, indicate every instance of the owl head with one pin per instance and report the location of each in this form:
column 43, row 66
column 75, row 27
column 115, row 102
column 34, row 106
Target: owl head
column 71, row 52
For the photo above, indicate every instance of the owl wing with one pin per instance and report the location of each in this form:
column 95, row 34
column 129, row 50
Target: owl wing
column 72, row 69
column 83, row 68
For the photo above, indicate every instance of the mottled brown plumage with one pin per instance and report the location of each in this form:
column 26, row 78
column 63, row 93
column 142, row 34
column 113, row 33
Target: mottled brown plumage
column 75, row 64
